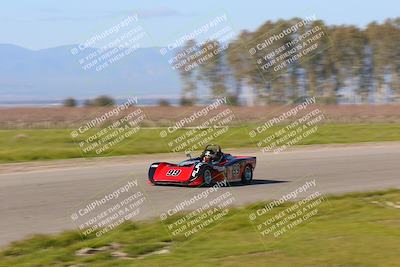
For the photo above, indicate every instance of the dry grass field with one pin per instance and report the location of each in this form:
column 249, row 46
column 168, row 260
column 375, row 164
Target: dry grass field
column 61, row 117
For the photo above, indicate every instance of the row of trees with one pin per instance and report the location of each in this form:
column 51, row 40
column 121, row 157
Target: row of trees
column 100, row 101
column 362, row 62
column 103, row 101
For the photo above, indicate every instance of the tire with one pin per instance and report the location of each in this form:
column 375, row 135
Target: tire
column 207, row 176
column 247, row 176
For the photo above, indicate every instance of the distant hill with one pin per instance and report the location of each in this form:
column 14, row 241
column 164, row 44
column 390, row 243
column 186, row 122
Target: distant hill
column 55, row 73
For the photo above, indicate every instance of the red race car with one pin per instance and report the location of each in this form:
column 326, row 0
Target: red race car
column 212, row 166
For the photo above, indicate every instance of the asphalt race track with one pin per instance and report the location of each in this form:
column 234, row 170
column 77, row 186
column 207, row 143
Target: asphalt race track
column 40, row 197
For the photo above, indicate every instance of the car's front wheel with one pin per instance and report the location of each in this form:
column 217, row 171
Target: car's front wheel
column 247, row 175
column 207, row 176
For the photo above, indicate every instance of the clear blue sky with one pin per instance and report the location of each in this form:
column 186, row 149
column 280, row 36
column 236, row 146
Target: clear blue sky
column 47, row 23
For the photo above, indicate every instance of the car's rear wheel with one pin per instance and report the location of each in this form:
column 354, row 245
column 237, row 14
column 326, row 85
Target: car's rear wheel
column 247, row 176
column 207, row 176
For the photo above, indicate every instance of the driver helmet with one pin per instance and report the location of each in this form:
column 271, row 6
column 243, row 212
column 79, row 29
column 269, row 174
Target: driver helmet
column 209, row 156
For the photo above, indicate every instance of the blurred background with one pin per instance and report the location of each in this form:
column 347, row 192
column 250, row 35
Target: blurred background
column 65, row 64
